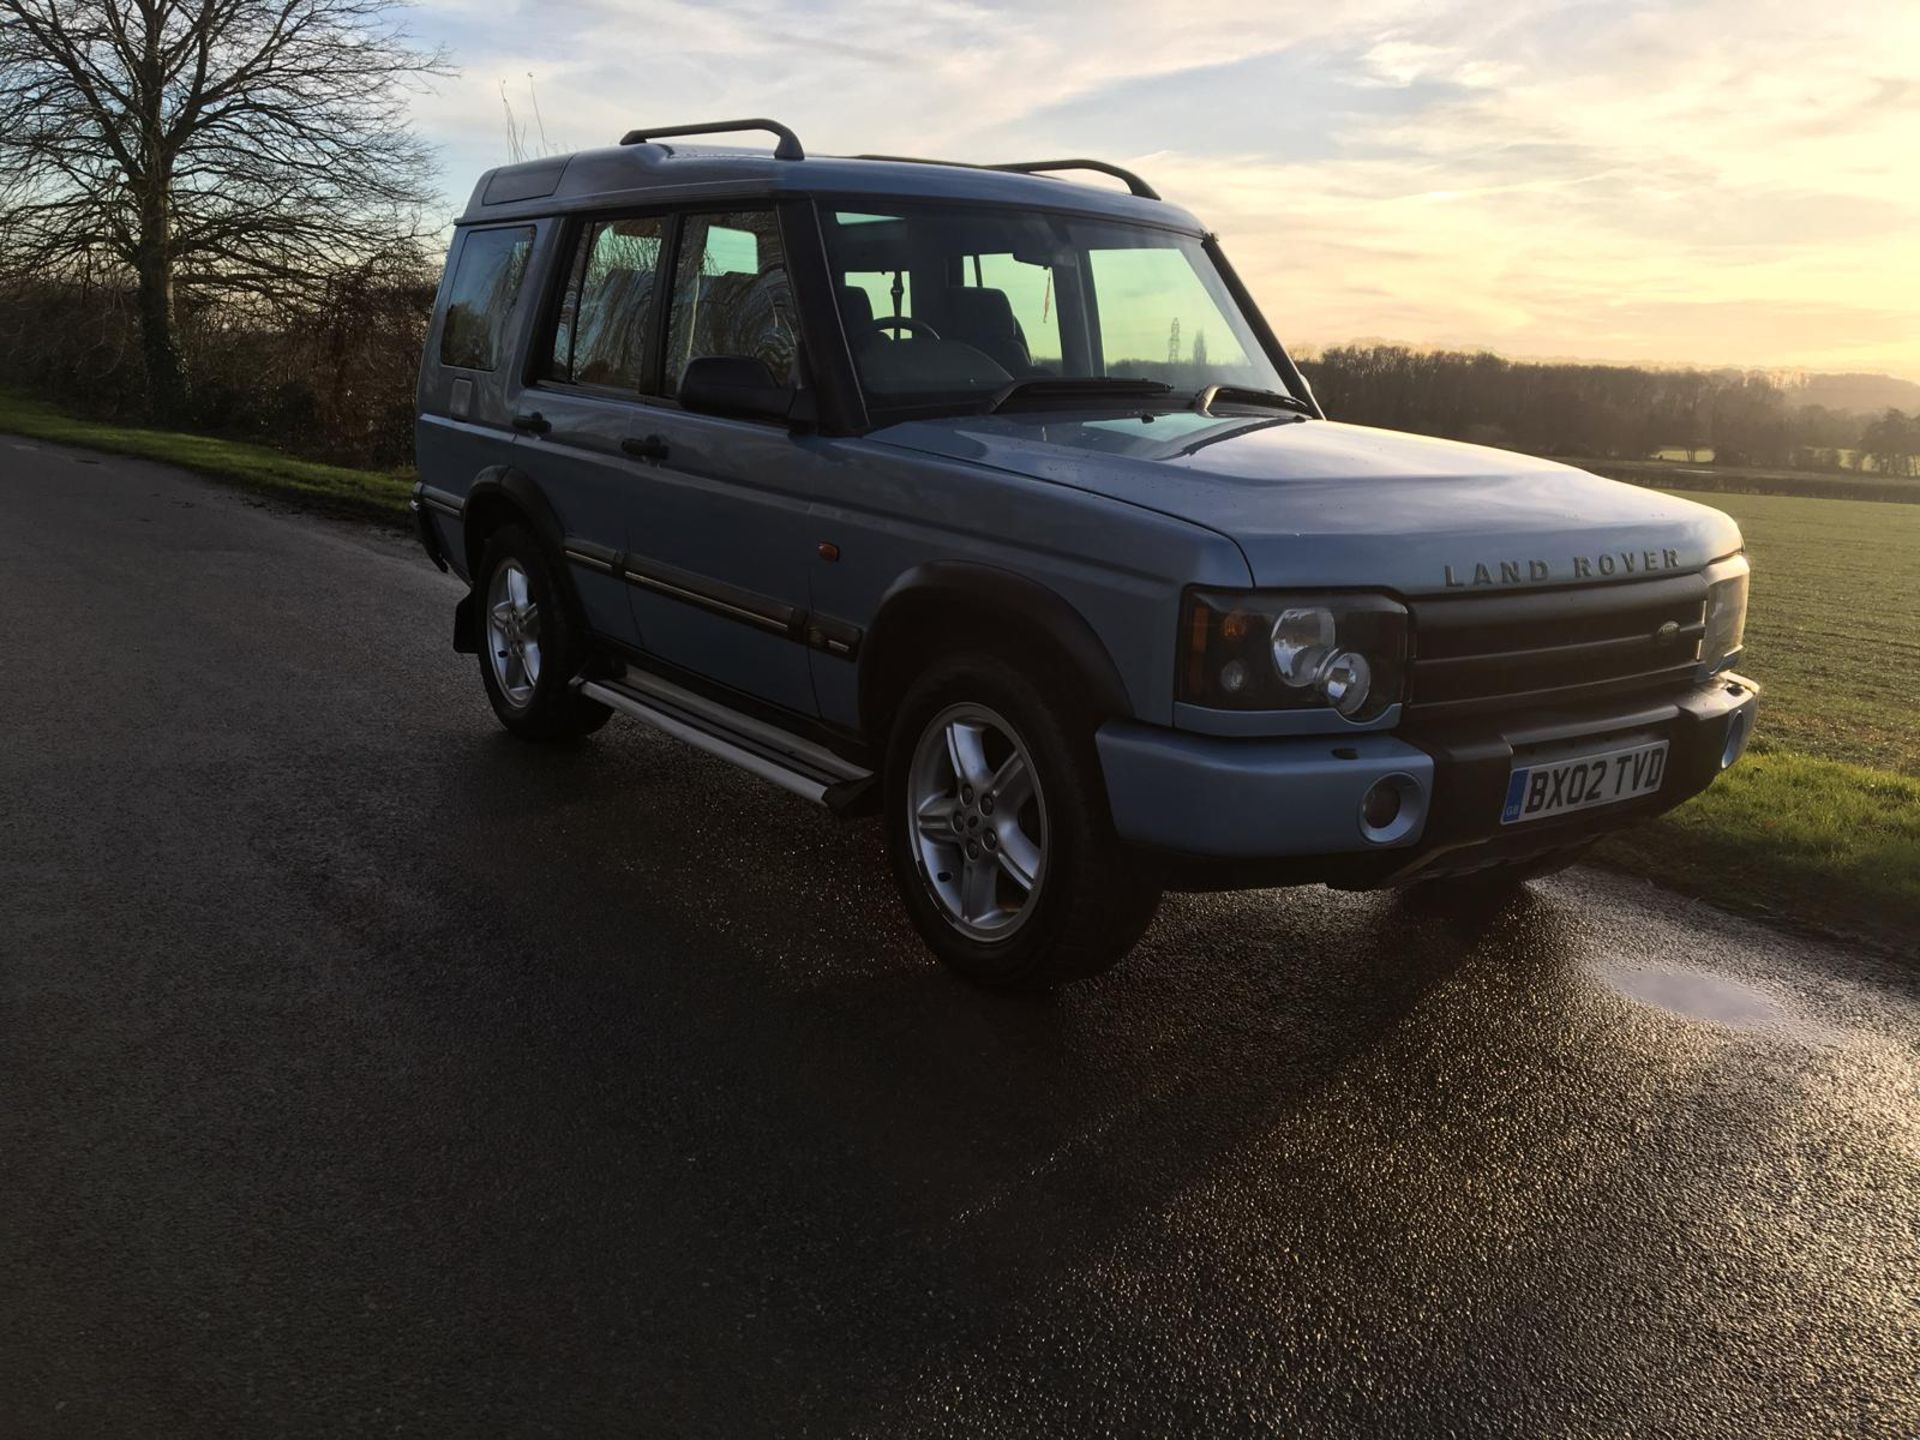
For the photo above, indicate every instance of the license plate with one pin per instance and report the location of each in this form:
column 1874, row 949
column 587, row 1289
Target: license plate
column 1537, row 791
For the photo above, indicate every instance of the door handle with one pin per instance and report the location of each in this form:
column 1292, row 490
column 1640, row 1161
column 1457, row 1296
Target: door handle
column 646, row 447
column 533, row 422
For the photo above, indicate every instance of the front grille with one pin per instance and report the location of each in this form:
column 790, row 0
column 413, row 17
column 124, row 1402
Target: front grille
column 1479, row 653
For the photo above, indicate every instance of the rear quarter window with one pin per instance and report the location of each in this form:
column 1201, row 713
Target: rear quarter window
column 486, row 285
column 606, row 315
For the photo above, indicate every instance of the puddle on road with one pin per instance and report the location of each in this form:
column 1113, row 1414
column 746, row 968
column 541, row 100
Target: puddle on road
column 1697, row 996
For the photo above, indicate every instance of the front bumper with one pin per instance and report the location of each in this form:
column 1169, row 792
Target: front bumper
column 1222, row 812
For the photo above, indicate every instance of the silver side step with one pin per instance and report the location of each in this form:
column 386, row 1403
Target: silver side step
column 796, row 765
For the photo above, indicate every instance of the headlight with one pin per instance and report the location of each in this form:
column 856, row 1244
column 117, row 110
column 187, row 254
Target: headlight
column 1726, row 613
column 1253, row 651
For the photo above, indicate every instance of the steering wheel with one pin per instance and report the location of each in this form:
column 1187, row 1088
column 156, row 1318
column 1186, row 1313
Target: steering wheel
column 906, row 323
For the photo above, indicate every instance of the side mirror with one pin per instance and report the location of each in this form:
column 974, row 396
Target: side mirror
column 735, row 385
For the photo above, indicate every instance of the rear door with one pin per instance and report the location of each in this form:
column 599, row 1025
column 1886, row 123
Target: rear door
column 585, row 402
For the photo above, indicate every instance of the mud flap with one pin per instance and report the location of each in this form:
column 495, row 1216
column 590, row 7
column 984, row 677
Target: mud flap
column 466, row 626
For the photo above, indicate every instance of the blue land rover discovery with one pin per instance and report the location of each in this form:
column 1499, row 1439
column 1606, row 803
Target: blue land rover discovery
column 986, row 502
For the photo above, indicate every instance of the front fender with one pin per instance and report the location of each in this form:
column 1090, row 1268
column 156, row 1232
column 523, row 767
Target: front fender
column 949, row 591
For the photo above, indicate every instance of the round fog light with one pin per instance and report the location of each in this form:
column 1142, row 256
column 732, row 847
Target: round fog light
column 1392, row 809
column 1381, row 807
column 1738, row 731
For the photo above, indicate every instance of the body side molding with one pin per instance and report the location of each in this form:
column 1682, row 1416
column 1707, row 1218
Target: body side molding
column 819, row 632
column 444, row 501
column 601, row 558
column 747, row 606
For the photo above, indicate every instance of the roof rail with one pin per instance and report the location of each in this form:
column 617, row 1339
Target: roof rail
column 1034, row 167
column 787, row 149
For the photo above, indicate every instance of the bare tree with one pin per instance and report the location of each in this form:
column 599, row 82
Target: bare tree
column 232, row 147
column 1892, row 443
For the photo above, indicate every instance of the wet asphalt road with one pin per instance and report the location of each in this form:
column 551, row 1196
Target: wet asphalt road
column 364, row 1071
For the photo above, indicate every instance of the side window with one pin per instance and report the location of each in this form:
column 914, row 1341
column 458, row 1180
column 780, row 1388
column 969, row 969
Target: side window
column 731, row 295
column 606, row 316
column 486, row 283
column 1030, row 296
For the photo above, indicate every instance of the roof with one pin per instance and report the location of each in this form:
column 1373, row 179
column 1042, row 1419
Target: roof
column 651, row 172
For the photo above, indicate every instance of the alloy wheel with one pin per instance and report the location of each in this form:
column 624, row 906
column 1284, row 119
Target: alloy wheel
column 977, row 818
column 513, row 633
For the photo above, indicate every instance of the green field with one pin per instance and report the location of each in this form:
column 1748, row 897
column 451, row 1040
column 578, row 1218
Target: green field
column 1821, row 823
column 1833, row 632
column 1723, row 480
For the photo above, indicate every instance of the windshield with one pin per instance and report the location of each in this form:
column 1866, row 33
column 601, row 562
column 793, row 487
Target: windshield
column 950, row 304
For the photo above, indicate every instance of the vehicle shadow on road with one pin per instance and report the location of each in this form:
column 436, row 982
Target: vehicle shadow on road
column 509, row 1064
column 692, row 1003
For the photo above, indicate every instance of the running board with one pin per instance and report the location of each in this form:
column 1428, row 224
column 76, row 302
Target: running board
column 796, row 765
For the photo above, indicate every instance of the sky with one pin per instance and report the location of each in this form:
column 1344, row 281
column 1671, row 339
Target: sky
column 1723, row 182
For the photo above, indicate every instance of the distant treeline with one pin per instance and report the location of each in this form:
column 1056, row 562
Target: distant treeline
column 332, row 376
column 1620, row 412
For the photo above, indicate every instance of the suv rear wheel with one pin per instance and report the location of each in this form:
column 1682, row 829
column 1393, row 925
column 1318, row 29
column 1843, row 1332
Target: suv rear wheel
column 531, row 647
column 998, row 829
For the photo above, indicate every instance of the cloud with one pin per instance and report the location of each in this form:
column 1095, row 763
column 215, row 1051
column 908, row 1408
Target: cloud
column 1726, row 181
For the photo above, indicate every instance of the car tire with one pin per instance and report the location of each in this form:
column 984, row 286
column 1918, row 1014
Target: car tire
column 532, row 643
column 991, row 776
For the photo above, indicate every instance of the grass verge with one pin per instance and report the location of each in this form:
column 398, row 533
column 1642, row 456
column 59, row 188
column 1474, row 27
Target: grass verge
column 1819, row 844
column 362, row 494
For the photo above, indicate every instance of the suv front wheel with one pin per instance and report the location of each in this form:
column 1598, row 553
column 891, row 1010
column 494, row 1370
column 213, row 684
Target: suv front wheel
column 999, row 833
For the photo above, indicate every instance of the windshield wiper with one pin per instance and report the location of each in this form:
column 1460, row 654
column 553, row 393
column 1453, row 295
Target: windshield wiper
column 1089, row 387
column 1246, row 395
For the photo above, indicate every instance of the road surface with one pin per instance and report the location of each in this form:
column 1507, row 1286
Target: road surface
column 365, row 1071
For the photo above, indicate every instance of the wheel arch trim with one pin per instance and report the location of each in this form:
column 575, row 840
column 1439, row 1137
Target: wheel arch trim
column 509, row 488
column 505, row 483
column 964, row 588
